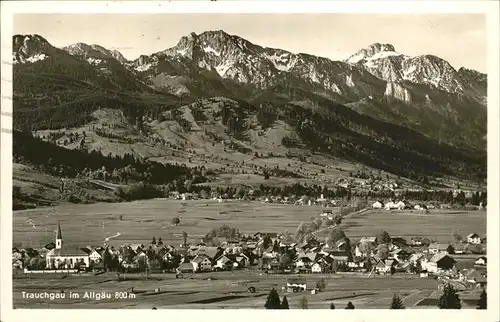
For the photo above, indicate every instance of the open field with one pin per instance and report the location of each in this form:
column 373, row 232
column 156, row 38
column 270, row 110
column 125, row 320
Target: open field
column 91, row 224
column 228, row 290
column 438, row 224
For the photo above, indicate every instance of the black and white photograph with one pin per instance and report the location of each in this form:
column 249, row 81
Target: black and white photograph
column 250, row 160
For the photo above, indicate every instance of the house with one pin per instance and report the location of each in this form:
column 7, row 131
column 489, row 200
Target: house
column 459, row 248
column 401, row 254
column 394, row 205
column 440, row 248
column 473, row 276
column 186, row 268
column 95, row 256
column 201, row 263
column 296, row 284
column 417, row 257
column 341, row 257
column 380, row 267
column 342, row 245
column 373, row 240
column 303, row 262
column 242, row 260
column 473, row 238
column 377, row 205
column 401, row 241
column 223, row 262
column 272, row 264
column 317, row 268
column 439, row 263
column 326, row 262
column 416, row 241
column 480, row 261
column 17, row 264
column 391, row 262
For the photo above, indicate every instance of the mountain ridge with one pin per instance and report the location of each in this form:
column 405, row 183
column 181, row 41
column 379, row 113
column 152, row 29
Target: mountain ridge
column 270, row 87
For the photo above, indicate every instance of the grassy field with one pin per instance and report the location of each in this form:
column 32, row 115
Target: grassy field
column 141, row 220
column 229, row 290
column 438, row 224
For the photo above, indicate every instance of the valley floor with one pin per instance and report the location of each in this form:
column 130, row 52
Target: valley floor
column 228, row 290
column 84, row 225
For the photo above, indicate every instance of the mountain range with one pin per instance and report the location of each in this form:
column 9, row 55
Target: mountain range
column 381, row 108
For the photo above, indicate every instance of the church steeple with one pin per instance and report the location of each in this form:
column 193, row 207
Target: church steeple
column 58, row 236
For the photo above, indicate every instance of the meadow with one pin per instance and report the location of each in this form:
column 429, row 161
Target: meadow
column 228, row 290
column 436, row 225
column 141, row 220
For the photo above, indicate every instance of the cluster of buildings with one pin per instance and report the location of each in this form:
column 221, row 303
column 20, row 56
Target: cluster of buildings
column 271, row 252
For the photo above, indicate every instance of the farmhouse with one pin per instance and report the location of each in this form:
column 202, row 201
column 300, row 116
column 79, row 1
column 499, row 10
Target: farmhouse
column 416, row 241
column 186, row 268
column 440, row 248
column 418, row 257
column 473, row 238
column 303, row 262
column 60, row 257
column 459, row 248
column 394, row 205
column 224, row 262
column 401, row 254
column 95, row 256
column 377, row 205
column 201, row 263
column 439, row 263
column 298, row 283
column 480, row 261
column 318, row 268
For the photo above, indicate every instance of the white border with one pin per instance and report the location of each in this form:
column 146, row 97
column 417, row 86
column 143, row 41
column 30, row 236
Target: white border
column 491, row 8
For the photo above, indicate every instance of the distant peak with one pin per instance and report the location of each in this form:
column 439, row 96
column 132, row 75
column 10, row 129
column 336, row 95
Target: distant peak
column 370, row 51
column 378, row 47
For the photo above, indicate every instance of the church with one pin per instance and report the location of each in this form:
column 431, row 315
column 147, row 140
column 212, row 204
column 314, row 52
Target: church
column 65, row 258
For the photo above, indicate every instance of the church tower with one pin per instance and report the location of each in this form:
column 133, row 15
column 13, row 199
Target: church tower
column 58, row 237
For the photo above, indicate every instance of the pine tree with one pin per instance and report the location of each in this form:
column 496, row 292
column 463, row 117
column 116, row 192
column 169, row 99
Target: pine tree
column 332, row 306
column 273, row 301
column 284, row 303
column 483, row 301
column 449, row 299
column 397, row 303
column 349, row 306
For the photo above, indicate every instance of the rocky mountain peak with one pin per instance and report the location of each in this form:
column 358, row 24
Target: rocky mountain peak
column 94, row 51
column 371, row 51
column 30, row 48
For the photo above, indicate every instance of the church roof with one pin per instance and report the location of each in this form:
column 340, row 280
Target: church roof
column 66, row 252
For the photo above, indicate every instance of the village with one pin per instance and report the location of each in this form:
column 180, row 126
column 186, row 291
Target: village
column 294, row 255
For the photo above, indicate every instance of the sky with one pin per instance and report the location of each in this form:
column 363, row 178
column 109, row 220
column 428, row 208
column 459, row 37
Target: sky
column 461, row 39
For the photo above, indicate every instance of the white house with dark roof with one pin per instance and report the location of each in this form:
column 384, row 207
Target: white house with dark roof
column 201, row 263
column 473, row 238
column 65, row 258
